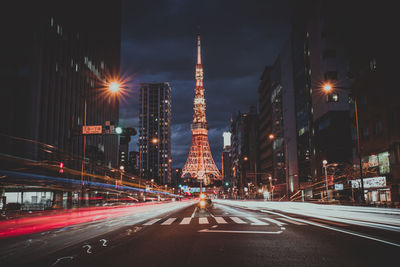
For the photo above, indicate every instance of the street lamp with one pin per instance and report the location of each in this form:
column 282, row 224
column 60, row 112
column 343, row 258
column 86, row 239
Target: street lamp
column 325, row 162
column 327, row 87
column 271, row 137
column 112, row 87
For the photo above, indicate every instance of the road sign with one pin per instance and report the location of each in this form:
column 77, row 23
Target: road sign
column 92, row 129
column 338, row 186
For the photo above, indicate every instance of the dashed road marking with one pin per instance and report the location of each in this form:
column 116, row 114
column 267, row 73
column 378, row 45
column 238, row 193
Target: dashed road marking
column 203, row 220
column 290, row 221
column 152, row 221
column 219, row 220
column 274, row 221
column 256, row 221
column 237, row 220
column 169, row 221
column 186, row 220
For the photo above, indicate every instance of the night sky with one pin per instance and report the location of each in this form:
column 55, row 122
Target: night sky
column 238, row 41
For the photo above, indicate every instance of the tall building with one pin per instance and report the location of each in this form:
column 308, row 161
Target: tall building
column 155, row 132
column 133, row 162
column 200, row 163
column 375, row 85
column 323, row 121
column 57, row 61
column 244, row 152
column 226, row 158
column 277, row 127
column 265, row 137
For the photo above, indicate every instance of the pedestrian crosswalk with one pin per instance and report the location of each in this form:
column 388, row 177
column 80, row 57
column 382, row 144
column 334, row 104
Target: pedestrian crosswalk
column 256, row 221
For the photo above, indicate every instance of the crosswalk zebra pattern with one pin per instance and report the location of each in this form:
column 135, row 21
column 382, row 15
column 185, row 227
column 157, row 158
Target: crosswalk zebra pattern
column 224, row 220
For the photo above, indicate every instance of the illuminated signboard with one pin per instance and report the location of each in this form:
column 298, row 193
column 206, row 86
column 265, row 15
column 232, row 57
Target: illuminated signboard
column 92, row 129
column 372, row 182
column 338, row 186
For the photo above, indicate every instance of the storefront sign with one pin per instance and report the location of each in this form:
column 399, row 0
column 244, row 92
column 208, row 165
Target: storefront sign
column 373, row 182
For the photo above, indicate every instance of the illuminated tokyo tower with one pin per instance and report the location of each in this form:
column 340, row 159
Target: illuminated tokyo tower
column 200, row 163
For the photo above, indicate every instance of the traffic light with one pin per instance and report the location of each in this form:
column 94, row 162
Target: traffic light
column 125, row 134
column 61, row 167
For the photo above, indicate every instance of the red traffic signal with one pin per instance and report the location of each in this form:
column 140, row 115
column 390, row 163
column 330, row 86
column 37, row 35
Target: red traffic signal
column 61, row 167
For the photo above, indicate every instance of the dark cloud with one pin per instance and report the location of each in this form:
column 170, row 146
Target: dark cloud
column 239, row 38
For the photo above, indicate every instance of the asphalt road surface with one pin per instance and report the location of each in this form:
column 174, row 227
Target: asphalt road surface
column 224, row 235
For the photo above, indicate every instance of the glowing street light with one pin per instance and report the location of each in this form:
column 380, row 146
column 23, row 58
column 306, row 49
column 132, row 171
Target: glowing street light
column 154, row 140
column 327, row 87
column 114, row 87
column 245, row 158
column 271, row 137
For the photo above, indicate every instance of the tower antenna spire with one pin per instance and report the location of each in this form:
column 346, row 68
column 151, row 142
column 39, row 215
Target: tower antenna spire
column 198, row 50
column 200, row 163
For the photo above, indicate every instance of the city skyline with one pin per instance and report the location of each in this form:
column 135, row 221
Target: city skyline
column 239, row 43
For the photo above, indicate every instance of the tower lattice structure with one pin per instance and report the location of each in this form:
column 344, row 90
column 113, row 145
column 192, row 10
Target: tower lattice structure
column 200, row 163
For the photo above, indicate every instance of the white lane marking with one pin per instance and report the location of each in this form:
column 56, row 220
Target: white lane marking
column 336, row 229
column 328, row 222
column 186, row 220
column 237, row 220
column 152, row 221
column 169, row 221
column 256, row 221
column 290, row 221
column 275, row 221
column 237, row 232
column 220, row 220
column 63, row 258
column 194, row 212
column 89, row 247
column 203, row 220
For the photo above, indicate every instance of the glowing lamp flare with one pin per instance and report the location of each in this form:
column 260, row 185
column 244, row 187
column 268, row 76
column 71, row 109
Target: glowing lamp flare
column 327, row 87
column 202, row 203
column 202, row 196
column 271, row 136
column 114, row 87
column 154, row 140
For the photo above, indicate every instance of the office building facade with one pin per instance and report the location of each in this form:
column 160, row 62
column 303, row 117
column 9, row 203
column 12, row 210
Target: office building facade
column 155, row 132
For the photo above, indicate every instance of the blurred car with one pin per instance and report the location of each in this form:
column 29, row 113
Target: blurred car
column 204, row 202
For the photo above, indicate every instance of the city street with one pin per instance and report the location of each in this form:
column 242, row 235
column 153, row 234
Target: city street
column 231, row 233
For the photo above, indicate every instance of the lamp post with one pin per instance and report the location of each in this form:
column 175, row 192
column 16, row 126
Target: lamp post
column 325, row 162
column 327, row 89
column 113, row 87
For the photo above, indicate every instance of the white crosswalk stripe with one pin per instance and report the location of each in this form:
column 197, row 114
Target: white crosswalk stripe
column 219, row 220
column 256, row 221
column 186, row 220
column 291, row 221
column 169, row 221
column 203, row 220
column 152, row 221
column 237, row 220
column 275, row 221
column 222, row 220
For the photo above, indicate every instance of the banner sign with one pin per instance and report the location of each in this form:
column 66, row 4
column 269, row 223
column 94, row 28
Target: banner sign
column 92, row 129
column 372, row 182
